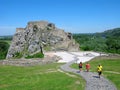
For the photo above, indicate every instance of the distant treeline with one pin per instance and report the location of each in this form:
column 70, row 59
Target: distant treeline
column 6, row 37
column 107, row 41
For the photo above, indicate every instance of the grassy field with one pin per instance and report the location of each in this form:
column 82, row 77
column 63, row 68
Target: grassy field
column 111, row 69
column 45, row 77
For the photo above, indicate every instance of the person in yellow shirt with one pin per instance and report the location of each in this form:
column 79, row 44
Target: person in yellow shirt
column 99, row 69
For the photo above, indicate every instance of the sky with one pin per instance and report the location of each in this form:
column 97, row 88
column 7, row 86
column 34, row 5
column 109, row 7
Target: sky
column 75, row 16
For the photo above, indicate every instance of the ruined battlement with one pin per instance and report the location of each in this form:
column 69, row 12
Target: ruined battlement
column 40, row 24
column 20, row 29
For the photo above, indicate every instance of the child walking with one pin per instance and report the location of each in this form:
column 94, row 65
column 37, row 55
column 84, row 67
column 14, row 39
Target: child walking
column 80, row 66
column 87, row 67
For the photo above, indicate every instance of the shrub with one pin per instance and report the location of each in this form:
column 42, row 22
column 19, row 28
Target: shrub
column 4, row 46
column 37, row 55
column 18, row 55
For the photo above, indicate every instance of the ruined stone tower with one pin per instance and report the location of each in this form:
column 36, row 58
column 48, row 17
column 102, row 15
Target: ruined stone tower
column 39, row 35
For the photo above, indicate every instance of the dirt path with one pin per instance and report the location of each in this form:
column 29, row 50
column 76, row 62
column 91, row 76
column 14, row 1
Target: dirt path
column 92, row 80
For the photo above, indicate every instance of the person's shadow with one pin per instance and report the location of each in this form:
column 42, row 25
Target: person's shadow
column 96, row 76
column 77, row 71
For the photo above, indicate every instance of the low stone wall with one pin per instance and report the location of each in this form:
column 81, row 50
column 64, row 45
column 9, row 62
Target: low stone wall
column 30, row 62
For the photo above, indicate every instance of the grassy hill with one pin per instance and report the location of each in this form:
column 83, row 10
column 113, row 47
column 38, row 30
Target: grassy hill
column 111, row 33
column 49, row 77
column 44, row 77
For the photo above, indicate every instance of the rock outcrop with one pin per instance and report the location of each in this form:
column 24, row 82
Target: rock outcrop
column 39, row 36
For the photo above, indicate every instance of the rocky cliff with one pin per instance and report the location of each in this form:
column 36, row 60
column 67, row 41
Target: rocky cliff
column 40, row 36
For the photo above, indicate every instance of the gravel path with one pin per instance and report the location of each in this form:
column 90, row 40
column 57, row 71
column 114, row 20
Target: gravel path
column 92, row 80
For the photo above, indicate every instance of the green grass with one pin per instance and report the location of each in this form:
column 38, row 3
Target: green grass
column 115, row 78
column 112, row 65
column 44, row 77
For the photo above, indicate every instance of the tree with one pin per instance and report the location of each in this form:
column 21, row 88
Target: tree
column 4, row 46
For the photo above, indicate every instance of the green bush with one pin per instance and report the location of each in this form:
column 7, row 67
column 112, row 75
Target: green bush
column 37, row 55
column 18, row 55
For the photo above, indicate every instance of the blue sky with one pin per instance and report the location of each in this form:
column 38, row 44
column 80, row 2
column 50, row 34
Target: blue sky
column 76, row 16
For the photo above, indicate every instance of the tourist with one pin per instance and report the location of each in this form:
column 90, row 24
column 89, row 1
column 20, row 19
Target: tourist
column 80, row 66
column 99, row 69
column 87, row 67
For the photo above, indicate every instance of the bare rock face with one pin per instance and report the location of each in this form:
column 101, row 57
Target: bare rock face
column 39, row 36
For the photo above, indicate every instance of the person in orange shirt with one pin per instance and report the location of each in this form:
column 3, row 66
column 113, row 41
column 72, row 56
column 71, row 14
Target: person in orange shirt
column 87, row 67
